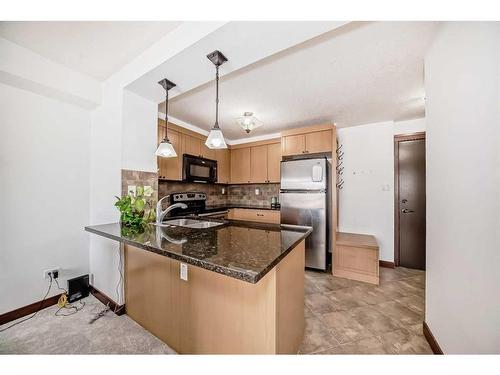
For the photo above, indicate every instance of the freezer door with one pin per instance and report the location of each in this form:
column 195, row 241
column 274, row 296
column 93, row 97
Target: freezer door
column 305, row 208
column 305, row 174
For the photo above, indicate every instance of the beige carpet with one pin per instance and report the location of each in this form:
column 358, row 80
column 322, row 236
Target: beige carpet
column 49, row 334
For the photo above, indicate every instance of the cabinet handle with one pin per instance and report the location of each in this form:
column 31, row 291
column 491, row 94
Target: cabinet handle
column 260, row 215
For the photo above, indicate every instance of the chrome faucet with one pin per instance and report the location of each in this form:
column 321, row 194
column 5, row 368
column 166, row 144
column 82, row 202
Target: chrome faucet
column 161, row 214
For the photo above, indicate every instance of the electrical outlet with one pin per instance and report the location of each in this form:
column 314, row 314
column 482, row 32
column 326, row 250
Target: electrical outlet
column 257, row 191
column 52, row 270
column 184, row 271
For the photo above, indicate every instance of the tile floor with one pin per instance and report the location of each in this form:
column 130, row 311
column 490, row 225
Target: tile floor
column 342, row 317
column 350, row 317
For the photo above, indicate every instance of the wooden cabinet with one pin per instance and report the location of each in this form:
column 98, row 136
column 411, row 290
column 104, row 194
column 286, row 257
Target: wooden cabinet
column 191, row 145
column 273, row 162
column 264, row 163
column 356, row 257
column 310, row 140
column 318, row 141
column 258, row 164
column 223, row 158
column 207, row 153
column 240, row 165
column 170, row 168
column 294, row 144
column 262, row 216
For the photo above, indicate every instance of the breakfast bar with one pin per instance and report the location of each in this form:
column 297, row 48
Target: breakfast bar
column 234, row 287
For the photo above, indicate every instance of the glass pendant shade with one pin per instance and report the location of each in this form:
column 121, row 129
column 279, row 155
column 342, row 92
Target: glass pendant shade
column 249, row 122
column 166, row 149
column 215, row 139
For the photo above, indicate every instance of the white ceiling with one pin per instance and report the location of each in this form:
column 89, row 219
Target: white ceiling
column 94, row 48
column 359, row 73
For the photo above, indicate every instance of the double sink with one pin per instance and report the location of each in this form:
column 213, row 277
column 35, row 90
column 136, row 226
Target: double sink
column 190, row 223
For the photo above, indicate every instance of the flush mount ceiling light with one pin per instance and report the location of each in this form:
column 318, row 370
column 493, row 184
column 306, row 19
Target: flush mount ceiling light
column 249, row 122
column 165, row 148
column 215, row 138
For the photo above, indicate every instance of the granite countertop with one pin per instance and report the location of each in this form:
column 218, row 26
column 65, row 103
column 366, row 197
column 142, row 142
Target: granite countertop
column 228, row 206
column 238, row 249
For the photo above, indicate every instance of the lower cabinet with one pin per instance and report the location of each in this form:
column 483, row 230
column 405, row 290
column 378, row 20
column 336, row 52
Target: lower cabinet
column 261, row 216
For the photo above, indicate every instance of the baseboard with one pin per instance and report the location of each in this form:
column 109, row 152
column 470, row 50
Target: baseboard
column 28, row 309
column 386, row 264
column 436, row 349
column 117, row 309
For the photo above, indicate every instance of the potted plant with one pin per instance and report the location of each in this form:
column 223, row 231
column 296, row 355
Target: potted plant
column 136, row 211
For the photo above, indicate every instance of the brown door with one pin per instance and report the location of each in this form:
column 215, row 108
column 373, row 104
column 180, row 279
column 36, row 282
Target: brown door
column 410, row 153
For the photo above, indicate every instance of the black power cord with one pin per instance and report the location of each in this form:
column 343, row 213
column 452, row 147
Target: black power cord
column 36, row 312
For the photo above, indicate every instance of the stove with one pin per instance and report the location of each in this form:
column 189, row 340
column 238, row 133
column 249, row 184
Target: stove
column 195, row 202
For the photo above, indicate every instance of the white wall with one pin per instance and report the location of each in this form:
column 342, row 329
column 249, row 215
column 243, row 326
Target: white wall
column 366, row 202
column 409, row 126
column 44, row 174
column 462, row 81
column 139, row 133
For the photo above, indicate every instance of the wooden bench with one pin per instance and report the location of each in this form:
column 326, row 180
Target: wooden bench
column 356, row 257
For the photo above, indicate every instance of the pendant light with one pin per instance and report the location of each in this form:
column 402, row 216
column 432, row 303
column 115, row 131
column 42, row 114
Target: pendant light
column 215, row 138
column 165, row 148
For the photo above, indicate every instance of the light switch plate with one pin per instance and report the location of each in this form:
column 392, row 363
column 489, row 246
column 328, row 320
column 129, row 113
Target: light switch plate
column 148, row 191
column 184, row 271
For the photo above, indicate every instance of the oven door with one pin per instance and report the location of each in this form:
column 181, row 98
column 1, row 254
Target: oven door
column 197, row 169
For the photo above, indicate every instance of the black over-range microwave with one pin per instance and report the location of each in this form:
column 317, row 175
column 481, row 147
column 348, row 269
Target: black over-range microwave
column 198, row 169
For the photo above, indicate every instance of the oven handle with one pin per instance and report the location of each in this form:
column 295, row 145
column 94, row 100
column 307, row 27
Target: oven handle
column 214, row 213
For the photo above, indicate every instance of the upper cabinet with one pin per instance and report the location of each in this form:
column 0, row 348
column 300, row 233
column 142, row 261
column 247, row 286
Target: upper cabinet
column 309, row 140
column 191, row 145
column 256, row 164
column 240, row 165
column 223, row 158
column 196, row 146
column 273, row 162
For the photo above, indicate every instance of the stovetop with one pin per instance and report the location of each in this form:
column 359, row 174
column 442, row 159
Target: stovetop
column 194, row 200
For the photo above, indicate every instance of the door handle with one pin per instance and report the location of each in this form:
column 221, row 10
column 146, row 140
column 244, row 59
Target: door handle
column 406, row 211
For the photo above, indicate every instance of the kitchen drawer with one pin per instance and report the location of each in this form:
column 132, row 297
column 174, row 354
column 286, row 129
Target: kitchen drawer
column 262, row 216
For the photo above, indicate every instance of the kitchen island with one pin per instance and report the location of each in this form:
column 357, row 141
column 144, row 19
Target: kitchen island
column 244, row 291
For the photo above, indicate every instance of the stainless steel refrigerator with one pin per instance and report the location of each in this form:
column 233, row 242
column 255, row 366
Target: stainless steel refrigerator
column 305, row 200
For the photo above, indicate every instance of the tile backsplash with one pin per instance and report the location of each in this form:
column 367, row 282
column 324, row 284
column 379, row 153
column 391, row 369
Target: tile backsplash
column 234, row 194
column 245, row 194
column 213, row 192
column 140, row 178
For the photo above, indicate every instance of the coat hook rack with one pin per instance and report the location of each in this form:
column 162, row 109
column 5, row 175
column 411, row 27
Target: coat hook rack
column 339, row 167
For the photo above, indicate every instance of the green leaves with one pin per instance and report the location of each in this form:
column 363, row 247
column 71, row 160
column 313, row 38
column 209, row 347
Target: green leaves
column 135, row 211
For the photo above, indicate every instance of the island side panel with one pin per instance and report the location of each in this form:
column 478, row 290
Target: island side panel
column 208, row 314
column 149, row 294
column 290, row 320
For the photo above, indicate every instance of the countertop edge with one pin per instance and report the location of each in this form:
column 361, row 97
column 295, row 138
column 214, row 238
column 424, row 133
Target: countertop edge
column 239, row 275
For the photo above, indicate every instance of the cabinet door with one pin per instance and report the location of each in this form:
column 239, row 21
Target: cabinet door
column 293, row 144
column 171, row 167
column 258, row 164
column 273, row 162
column 240, row 165
column 191, row 145
column 319, row 141
column 223, row 165
column 207, row 153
